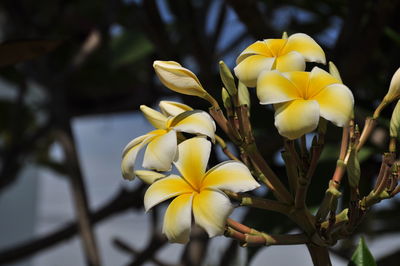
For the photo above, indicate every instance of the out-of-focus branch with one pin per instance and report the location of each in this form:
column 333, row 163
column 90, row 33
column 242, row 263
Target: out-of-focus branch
column 122, row 202
column 80, row 196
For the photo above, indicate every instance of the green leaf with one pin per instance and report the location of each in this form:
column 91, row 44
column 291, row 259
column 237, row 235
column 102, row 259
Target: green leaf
column 129, row 47
column 362, row 256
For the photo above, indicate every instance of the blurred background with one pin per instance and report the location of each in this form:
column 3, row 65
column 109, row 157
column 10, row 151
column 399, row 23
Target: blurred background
column 72, row 76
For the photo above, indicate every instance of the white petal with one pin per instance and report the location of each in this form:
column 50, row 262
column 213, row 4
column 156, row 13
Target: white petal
column 157, row 119
column 305, row 45
column 274, row 87
column 161, row 152
column 192, row 160
column 148, row 176
column 170, row 108
column 165, row 188
column 230, row 175
column 251, row 67
column 130, row 153
column 194, row 122
column 336, row 104
column 296, row 118
column 211, row 209
column 178, row 219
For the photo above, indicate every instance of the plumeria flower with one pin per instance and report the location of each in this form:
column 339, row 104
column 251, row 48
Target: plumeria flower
column 198, row 191
column 300, row 98
column 162, row 142
column 287, row 54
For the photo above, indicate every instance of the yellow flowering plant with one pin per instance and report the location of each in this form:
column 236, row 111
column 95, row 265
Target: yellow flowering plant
column 304, row 102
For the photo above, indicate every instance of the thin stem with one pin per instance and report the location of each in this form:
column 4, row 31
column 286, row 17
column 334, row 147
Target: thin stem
column 366, row 132
column 291, row 170
column 248, row 144
column 224, row 124
column 225, row 149
column 271, row 180
column 260, row 203
column 250, row 237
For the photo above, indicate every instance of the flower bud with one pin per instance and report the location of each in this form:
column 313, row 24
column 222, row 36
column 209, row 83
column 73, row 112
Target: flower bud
column 226, row 99
column 334, row 71
column 244, row 96
column 394, row 88
column 178, row 78
column 227, row 78
column 395, row 121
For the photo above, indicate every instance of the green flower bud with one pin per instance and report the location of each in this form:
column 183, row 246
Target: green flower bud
column 227, row 78
column 395, row 121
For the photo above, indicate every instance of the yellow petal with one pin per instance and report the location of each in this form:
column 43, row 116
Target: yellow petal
column 273, row 87
column 319, row 79
column 230, row 175
column 296, row 118
column 257, row 48
column 250, row 68
column 394, row 88
column 336, row 104
column 161, row 152
column 275, row 46
column 148, row 176
column 178, row 219
column 300, row 80
column 305, row 45
column 130, row 153
column 178, row 78
column 192, row 160
column 165, row 188
column 292, row 61
column 211, row 209
column 170, row 108
column 157, row 119
column 194, row 122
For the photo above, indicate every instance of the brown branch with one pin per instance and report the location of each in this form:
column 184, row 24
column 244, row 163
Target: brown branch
column 80, row 196
column 123, row 246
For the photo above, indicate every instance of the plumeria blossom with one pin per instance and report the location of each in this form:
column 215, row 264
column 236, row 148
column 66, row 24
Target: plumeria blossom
column 162, row 142
column 281, row 54
column 300, row 98
column 198, row 191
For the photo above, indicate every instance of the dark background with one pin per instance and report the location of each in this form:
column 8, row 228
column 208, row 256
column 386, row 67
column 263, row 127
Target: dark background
column 95, row 57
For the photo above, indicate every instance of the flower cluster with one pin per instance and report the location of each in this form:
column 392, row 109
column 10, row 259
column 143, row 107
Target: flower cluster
column 183, row 137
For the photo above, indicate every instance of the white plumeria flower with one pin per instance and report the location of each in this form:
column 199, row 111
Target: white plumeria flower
column 300, row 98
column 198, row 191
column 286, row 54
column 162, row 142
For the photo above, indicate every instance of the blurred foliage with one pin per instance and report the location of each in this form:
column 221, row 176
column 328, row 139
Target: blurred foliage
column 64, row 59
